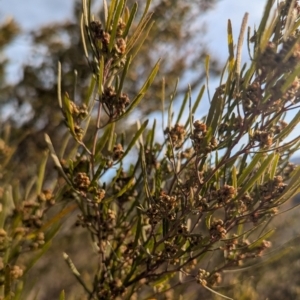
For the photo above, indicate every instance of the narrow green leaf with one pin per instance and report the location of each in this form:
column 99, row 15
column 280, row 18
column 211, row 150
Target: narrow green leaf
column 101, row 142
column 263, row 23
column 41, row 174
column 110, row 15
column 75, row 272
column 100, row 77
column 62, row 295
column 142, row 40
column 217, row 115
column 153, row 134
column 146, row 8
column 117, row 14
column 259, row 241
column 111, row 141
column 124, row 73
column 142, row 91
column 208, row 220
column 124, row 189
column 68, row 115
column 105, row 11
column 59, row 85
column 245, row 171
column 256, row 176
column 163, row 98
column 130, row 20
column 135, row 138
column 288, row 129
column 183, row 106
column 29, row 187
column 196, row 104
column 56, row 160
column 137, row 32
column 239, row 50
column 215, row 111
column 90, row 92
column 230, row 46
column 290, row 79
column 273, row 167
column 234, row 177
column 82, row 27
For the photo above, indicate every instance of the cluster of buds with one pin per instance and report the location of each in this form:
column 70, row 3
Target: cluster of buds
column 99, row 195
column 16, row 272
column 264, row 138
column 38, row 241
column 200, row 143
column 103, row 224
column 276, row 129
column 192, row 179
column 253, row 97
column 32, row 214
column 115, row 104
column 272, row 189
column 177, row 135
column 170, row 249
column 237, row 250
column 46, row 197
column 82, row 181
column 78, row 112
column 113, row 289
column 225, row 194
column 236, row 123
column 288, row 169
column 117, row 152
column 151, row 158
column 101, row 38
column 202, row 277
column 217, row 230
column 163, row 208
column 120, row 183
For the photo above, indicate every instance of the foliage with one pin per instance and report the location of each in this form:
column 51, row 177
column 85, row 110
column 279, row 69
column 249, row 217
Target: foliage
column 182, row 211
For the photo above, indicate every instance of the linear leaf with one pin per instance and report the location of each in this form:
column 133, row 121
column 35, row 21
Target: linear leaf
column 246, row 171
column 110, row 14
column 256, row 176
column 59, row 85
column 183, row 106
column 142, row 91
column 124, row 73
column 273, row 167
column 288, row 129
column 258, row 242
column 142, row 40
column 117, row 15
column 130, row 20
column 55, row 159
column 230, row 46
column 135, row 138
column 137, row 32
column 112, row 138
column 41, row 174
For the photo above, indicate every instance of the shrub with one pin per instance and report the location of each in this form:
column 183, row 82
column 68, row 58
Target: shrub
column 175, row 212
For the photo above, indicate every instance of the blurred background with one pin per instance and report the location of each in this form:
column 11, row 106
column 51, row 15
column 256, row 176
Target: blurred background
column 36, row 34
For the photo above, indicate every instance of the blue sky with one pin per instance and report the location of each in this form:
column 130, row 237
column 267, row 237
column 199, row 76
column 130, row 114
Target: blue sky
column 32, row 14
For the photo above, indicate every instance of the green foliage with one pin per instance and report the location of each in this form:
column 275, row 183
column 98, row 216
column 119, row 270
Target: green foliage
column 161, row 216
